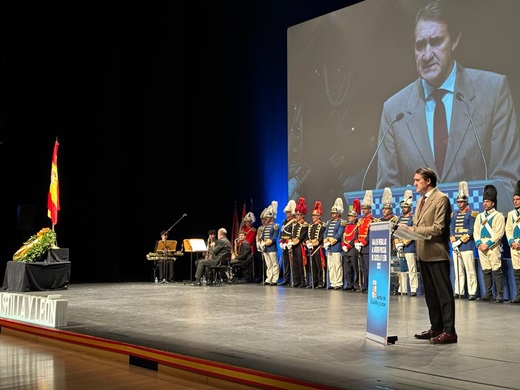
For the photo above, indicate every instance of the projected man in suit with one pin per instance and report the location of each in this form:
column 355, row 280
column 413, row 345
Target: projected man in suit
column 468, row 94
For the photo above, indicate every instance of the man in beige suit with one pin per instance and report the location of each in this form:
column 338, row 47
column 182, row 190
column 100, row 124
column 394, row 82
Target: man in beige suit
column 433, row 219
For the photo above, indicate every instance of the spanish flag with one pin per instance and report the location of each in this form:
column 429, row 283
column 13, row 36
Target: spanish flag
column 53, row 199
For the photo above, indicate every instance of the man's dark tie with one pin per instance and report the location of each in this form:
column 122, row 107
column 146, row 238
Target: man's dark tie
column 440, row 130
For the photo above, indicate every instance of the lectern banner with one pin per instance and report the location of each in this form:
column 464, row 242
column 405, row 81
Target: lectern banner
column 379, row 282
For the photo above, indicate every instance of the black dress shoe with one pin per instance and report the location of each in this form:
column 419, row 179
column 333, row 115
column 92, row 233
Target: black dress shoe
column 414, row 294
column 319, row 286
column 444, row 338
column 296, row 285
column 427, row 334
column 456, row 296
column 486, row 297
column 304, row 286
column 330, row 288
column 196, row 284
column 283, row 283
column 472, row 297
column 337, row 288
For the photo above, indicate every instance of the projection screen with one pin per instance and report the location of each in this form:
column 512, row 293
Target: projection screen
column 344, row 65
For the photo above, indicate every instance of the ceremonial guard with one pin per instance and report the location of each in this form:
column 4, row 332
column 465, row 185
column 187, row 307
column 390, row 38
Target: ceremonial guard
column 250, row 231
column 332, row 243
column 267, row 245
column 388, row 216
column 314, row 243
column 285, row 238
column 488, row 232
column 513, row 239
column 463, row 245
column 406, row 249
column 362, row 241
column 296, row 247
column 351, row 257
column 261, row 260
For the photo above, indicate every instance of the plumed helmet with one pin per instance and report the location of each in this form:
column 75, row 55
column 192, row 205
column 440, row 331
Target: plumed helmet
column 250, row 217
column 517, row 188
column 407, row 199
column 355, row 210
column 301, row 206
column 338, row 206
column 490, row 193
column 272, row 209
column 318, row 209
column 367, row 200
column 262, row 214
column 462, row 195
column 290, row 207
column 386, row 199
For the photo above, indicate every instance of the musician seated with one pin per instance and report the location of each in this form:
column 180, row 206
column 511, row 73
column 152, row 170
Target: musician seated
column 242, row 256
column 167, row 249
column 220, row 249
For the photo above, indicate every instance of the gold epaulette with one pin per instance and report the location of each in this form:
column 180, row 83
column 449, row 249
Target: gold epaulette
column 474, row 213
column 343, row 222
column 276, row 226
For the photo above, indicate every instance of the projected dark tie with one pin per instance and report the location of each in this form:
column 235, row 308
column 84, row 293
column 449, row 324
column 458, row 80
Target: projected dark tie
column 440, row 130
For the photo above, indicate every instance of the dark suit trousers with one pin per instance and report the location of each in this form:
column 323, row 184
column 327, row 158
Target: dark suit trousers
column 438, row 293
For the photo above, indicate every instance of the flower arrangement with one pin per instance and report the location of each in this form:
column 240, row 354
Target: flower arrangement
column 36, row 246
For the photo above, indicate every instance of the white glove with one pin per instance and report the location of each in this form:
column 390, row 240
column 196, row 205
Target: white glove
column 289, row 245
column 283, row 246
column 455, row 244
column 326, row 246
column 310, row 246
column 262, row 246
column 358, row 246
column 399, row 246
column 345, row 249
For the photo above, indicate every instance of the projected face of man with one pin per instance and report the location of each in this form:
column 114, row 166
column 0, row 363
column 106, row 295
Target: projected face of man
column 434, row 49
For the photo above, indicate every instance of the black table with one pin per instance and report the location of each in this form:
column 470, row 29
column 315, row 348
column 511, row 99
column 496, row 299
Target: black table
column 39, row 275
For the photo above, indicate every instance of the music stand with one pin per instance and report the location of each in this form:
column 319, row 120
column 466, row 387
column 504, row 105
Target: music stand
column 193, row 245
column 167, row 247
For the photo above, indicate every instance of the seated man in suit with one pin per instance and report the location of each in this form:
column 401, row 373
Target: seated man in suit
column 242, row 256
column 222, row 246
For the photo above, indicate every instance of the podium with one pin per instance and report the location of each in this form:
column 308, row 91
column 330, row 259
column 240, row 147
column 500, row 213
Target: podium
column 476, row 191
column 193, row 245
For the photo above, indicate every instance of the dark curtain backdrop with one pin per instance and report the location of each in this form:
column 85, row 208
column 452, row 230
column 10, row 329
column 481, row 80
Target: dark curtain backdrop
column 159, row 110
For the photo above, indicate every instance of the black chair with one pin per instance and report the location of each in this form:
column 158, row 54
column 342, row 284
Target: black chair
column 217, row 273
column 243, row 270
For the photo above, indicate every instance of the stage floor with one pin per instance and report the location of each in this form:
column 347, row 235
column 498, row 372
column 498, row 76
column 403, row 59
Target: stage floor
column 313, row 335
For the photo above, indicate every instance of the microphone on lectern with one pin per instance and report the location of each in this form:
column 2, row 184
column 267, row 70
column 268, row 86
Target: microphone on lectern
column 460, row 97
column 396, row 119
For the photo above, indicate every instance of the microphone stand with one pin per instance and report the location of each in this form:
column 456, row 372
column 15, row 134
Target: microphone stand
column 165, row 252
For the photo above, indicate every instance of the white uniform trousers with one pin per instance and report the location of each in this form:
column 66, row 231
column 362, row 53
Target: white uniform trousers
column 334, row 260
column 465, row 272
column 273, row 269
column 411, row 262
column 491, row 260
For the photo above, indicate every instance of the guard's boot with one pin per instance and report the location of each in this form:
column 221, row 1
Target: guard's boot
column 499, row 285
column 517, row 283
column 488, row 295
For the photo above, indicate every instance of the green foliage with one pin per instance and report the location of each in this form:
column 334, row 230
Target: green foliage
column 36, row 246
